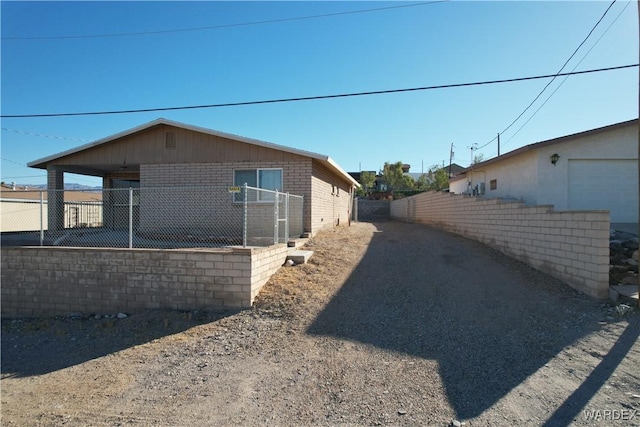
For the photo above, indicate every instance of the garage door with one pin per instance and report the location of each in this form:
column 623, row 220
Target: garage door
column 605, row 184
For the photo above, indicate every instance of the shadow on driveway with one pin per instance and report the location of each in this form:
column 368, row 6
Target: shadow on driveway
column 40, row 346
column 488, row 320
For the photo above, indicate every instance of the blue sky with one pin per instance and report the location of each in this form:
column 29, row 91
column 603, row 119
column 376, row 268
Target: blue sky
column 422, row 45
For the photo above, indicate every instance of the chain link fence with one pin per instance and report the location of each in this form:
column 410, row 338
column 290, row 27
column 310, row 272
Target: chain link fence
column 157, row 217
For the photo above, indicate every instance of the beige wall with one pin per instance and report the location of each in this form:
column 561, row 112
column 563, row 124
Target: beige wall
column 572, row 246
column 531, row 177
column 331, row 204
column 25, row 215
column 56, row 281
column 205, row 203
column 327, row 197
column 22, row 215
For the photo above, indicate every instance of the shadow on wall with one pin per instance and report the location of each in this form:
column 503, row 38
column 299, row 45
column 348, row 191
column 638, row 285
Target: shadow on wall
column 40, row 346
column 488, row 320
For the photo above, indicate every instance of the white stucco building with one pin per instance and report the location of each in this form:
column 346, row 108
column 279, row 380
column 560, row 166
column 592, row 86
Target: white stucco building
column 595, row 169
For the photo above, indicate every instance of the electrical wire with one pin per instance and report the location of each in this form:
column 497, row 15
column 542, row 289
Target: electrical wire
column 554, row 77
column 24, row 132
column 216, row 27
column 11, row 161
column 311, row 98
column 565, row 79
column 24, row 176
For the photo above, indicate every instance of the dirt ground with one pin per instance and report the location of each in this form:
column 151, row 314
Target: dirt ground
column 388, row 324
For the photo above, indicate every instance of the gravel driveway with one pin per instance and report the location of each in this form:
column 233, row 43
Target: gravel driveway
column 388, row 324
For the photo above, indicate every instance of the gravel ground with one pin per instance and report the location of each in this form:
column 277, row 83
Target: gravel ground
column 388, row 324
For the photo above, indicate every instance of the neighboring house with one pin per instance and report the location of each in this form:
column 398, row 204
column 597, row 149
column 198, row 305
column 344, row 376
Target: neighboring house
column 595, row 169
column 452, row 170
column 25, row 208
column 376, row 183
column 164, row 153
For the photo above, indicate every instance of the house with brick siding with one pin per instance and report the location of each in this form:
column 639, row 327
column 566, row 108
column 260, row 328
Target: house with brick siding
column 165, row 153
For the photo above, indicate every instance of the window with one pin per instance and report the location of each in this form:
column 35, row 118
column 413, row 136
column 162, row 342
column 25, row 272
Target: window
column 493, row 184
column 268, row 179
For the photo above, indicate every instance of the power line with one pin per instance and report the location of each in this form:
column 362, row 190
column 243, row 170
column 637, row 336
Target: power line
column 11, row 161
column 565, row 79
column 311, row 98
column 24, row 132
column 554, row 77
column 215, row 27
column 25, row 176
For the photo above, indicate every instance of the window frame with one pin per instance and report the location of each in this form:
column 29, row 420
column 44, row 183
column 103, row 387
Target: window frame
column 239, row 197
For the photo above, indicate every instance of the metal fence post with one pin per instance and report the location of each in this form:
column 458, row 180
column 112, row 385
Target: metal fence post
column 244, row 221
column 130, row 217
column 286, row 219
column 42, row 218
column 276, row 217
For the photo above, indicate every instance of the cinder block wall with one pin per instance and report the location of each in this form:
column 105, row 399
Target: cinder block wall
column 371, row 210
column 571, row 246
column 331, row 204
column 56, row 281
column 162, row 211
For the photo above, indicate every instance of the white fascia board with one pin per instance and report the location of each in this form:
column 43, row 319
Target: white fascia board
column 161, row 121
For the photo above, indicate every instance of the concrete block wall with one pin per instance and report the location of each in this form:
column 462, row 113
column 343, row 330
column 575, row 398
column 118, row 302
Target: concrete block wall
column 571, row 246
column 47, row 281
column 331, row 204
column 198, row 211
column 264, row 263
column 371, row 210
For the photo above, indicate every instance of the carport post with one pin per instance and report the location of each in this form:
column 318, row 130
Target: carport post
column 42, row 218
column 130, row 217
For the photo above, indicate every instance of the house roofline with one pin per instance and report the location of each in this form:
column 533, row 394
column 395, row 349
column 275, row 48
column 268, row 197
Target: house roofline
column 41, row 163
column 548, row 142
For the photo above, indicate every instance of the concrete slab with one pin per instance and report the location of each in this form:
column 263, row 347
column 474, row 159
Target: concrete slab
column 300, row 257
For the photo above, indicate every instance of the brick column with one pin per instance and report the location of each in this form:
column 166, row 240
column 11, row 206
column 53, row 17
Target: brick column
column 55, row 198
column 107, row 203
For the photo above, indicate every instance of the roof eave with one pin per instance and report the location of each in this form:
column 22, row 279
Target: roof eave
column 547, row 142
column 42, row 163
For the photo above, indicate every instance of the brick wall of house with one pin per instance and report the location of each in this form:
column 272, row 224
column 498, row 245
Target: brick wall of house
column 331, row 204
column 46, row 281
column 572, row 246
column 197, row 210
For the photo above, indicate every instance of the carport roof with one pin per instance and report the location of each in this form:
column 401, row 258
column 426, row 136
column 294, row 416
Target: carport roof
column 323, row 159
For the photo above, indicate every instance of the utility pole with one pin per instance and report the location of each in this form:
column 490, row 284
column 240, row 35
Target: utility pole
column 472, row 148
column 450, row 159
column 470, row 183
column 498, row 145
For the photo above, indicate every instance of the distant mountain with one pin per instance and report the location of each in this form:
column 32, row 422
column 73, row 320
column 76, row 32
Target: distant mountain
column 72, row 186
column 67, row 186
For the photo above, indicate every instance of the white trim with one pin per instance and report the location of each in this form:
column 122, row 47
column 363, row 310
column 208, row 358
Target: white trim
column 161, row 121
